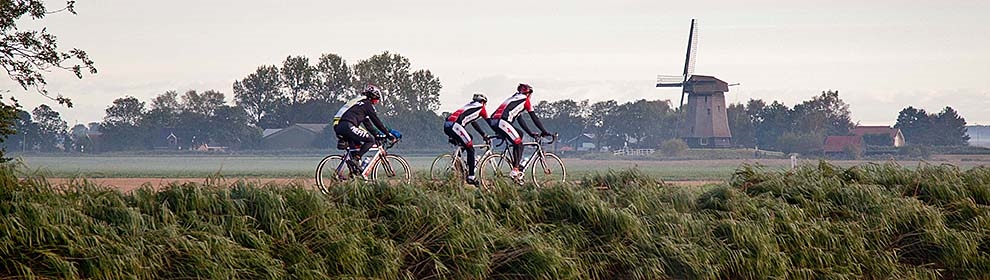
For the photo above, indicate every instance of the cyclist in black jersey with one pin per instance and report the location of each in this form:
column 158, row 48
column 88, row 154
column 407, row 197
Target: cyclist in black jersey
column 361, row 111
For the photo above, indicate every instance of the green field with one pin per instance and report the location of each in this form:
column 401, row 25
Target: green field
column 304, row 166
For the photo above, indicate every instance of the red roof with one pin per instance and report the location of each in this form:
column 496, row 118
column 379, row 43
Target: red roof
column 880, row 129
column 838, row 144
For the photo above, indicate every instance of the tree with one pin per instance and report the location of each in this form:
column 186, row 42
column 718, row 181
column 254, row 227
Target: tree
column 297, row 76
column 121, row 127
column 565, row 117
column 332, row 80
column 643, row 123
column 595, row 122
column 951, row 128
column 51, row 128
column 915, row 125
column 261, row 96
column 824, row 114
column 164, row 111
column 741, row 125
column 774, row 120
column 202, row 103
column 405, row 91
column 27, row 54
column 124, row 111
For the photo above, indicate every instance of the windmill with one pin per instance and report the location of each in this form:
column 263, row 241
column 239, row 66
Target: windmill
column 704, row 123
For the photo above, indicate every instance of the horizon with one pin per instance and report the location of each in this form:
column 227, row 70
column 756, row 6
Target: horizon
column 881, row 56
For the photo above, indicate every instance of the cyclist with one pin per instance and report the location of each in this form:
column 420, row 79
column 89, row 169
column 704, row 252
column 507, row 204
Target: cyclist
column 501, row 123
column 455, row 128
column 356, row 112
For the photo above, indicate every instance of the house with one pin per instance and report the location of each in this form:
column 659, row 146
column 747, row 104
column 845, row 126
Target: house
column 296, row 136
column 867, row 132
column 841, row 144
column 167, row 139
column 582, row 142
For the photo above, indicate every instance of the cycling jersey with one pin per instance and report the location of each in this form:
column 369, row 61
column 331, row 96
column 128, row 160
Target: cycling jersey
column 469, row 113
column 358, row 111
column 512, row 107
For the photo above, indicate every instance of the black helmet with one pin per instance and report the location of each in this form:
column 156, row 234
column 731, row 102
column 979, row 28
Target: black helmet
column 372, row 92
column 524, row 88
column 479, row 97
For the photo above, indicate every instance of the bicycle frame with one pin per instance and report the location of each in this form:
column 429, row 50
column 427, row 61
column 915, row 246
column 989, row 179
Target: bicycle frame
column 537, row 153
column 380, row 150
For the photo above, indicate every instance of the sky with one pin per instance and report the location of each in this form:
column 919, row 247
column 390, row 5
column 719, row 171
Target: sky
column 881, row 55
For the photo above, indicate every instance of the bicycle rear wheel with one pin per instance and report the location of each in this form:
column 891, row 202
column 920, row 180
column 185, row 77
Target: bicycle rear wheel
column 548, row 172
column 330, row 169
column 445, row 166
column 492, row 169
column 393, row 169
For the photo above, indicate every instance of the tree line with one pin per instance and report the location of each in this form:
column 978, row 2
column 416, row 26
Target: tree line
column 206, row 117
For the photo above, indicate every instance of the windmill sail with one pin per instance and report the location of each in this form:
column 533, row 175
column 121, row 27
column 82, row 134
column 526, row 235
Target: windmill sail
column 692, row 52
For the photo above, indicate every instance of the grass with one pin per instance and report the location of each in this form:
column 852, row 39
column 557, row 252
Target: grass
column 299, row 166
column 817, row 221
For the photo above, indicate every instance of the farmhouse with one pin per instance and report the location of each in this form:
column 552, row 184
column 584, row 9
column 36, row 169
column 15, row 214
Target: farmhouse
column 296, row 136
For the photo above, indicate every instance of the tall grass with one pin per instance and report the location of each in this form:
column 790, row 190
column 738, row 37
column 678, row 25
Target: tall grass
column 869, row 221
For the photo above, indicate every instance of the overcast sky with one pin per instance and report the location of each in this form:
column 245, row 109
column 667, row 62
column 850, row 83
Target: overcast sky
column 880, row 55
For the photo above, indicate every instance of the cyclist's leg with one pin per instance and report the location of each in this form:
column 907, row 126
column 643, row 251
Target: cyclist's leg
column 461, row 136
column 505, row 130
column 355, row 134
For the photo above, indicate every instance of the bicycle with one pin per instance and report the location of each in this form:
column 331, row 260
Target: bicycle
column 382, row 166
column 545, row 168
column 451, row 165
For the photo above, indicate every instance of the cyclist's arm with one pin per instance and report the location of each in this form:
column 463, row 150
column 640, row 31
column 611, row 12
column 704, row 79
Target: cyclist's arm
column 370, row 127
column 478, row 128
column 373, row 116
column 522, row 123
column 536, row 120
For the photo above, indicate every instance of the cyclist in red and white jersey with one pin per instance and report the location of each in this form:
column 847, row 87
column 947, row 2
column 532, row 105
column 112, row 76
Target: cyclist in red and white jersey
column 509, row 111
column 455, row 128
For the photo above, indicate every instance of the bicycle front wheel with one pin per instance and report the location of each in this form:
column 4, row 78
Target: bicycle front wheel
column 392, row 168
column 492, row 169
column 446, row 166
column 331, row 169
column 549, row 171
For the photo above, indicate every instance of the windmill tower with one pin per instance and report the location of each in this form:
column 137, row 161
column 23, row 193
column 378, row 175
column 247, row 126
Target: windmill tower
column 704, row 123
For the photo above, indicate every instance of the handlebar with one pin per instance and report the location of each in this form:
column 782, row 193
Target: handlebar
column 384, row 142
column 553, row 138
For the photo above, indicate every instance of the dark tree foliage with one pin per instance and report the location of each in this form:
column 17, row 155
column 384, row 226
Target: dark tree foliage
column 946, row 128
column 51, row 129
column 26, row 55
column 261, row 95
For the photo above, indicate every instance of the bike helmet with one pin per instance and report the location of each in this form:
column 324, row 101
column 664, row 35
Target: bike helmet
column 372, row 92
column 524, row 88
column 479, row 97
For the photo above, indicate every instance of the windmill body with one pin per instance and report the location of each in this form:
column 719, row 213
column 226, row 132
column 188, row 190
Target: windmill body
column 704, row 123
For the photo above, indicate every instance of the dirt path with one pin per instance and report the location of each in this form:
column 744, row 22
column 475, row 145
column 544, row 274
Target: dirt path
column 129, row 184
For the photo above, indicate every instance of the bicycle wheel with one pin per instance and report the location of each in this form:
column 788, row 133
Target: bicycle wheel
column 445, row 166
column 330, row 170
column 548, row 172
column 392, row 168
column 492, row 169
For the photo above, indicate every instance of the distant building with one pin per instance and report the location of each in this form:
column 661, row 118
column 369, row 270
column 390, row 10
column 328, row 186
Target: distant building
column 582, row 142
column 296, row 136
column 841, row 144
column 896, row 137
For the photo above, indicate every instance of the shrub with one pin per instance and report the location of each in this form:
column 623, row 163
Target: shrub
column 674, row 147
